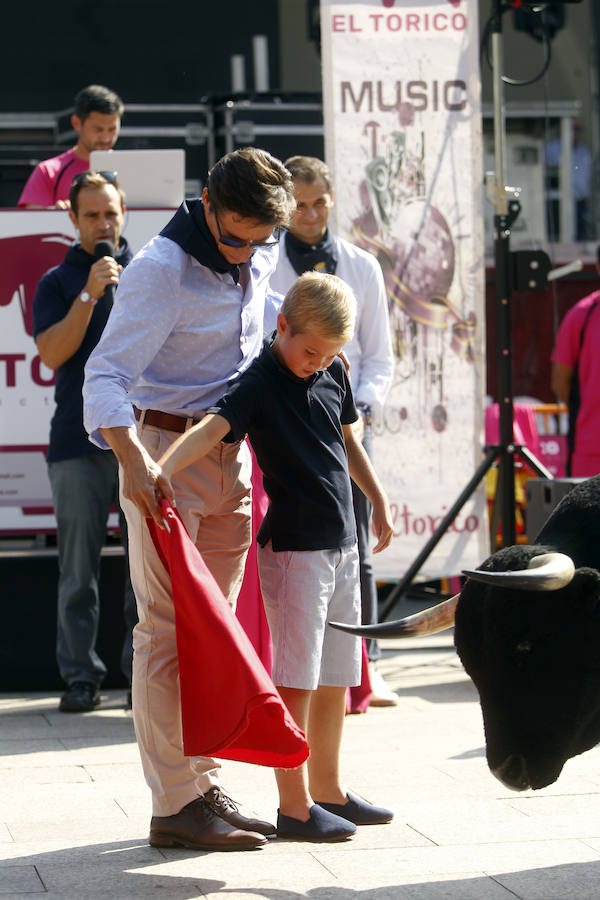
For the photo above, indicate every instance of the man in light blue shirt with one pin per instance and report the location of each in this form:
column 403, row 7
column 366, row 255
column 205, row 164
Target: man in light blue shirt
column 187, row 321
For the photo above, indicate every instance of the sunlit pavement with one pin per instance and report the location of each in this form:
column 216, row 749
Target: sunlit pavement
column 75, row 811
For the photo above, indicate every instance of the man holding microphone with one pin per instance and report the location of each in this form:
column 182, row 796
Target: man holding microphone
column 70, row 310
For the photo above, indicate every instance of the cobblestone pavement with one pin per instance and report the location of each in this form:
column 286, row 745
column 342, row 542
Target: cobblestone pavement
column 74, row 809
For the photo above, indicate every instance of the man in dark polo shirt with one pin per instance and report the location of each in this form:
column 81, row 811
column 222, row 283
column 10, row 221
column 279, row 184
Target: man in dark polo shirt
column 70, row 310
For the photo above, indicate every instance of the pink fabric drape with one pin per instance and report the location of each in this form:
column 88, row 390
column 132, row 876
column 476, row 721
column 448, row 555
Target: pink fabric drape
column 250, row 610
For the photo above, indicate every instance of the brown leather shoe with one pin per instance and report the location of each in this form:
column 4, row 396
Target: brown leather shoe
column 196, row 826
column 226, row 809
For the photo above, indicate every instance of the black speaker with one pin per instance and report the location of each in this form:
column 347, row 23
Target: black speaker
column 541, row 496
column 543, row 21
column 28, row 634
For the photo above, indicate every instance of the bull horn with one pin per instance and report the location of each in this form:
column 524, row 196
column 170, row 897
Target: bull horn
column 429, row 621
column 546, row 572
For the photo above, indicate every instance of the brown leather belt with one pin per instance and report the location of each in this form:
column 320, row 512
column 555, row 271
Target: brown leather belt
column 168, row 421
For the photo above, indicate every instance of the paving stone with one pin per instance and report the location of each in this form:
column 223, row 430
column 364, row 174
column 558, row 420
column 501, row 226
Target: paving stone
column 47, row 802
column 27, row 753
column 491, row 859
column 123, row 876
column 21, row 726
column 36, row 701
column 75, row 848
column 116, row 772
column 88, row 828
column 19, row 880
column 43, row 775
column 98, row 751
column 573, row 881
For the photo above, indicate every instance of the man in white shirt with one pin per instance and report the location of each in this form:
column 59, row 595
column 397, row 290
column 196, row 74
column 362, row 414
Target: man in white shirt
column 309, row 245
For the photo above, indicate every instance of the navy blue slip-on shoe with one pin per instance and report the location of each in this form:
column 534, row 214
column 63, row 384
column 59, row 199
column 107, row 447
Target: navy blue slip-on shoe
column 359, row 811
column 322, row 826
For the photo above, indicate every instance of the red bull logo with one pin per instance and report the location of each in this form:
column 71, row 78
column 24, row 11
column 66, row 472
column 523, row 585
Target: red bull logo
column 24, row 260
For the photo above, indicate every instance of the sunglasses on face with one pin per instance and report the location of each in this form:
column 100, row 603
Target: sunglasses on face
column 111, row 177
column 254, row 245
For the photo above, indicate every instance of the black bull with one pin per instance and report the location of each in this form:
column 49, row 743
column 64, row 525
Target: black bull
column 527, row 630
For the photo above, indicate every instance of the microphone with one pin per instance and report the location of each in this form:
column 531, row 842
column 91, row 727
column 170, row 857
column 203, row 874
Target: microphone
column 106, row 248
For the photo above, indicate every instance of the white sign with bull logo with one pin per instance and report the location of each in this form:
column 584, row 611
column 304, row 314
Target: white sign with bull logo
column 401, row 95
column 31, row 242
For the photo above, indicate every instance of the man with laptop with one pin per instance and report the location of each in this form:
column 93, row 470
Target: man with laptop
column 96, row 120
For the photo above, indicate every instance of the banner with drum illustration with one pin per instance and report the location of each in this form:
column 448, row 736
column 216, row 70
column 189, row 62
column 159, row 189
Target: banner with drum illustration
column 401, row 96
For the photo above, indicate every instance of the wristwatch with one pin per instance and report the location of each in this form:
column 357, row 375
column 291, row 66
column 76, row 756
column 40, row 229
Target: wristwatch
column 86, row 297
column 365, row 411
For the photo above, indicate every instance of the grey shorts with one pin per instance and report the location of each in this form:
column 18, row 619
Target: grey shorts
column 302, row 591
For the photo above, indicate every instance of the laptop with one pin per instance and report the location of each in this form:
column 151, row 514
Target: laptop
column 150, row 178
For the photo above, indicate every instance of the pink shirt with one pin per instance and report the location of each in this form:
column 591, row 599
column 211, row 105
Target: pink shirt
column 51, row 179
column 566, row 352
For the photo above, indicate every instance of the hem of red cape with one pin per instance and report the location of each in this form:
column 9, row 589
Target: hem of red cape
column 262, row 757
column 258, row 758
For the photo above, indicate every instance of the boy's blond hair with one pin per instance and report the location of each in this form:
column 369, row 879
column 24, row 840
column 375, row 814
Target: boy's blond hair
column 321, row 303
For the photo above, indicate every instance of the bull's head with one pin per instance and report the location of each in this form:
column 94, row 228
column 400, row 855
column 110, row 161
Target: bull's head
column 527, row 630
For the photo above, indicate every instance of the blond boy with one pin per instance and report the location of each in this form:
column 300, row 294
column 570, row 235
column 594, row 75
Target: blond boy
column 296, row 405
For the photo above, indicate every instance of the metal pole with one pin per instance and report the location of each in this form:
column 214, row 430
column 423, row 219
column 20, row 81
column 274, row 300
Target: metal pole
column 238, row 73
column 260, row 50
column 566, row 216
column 499, row 117
column 502, row 221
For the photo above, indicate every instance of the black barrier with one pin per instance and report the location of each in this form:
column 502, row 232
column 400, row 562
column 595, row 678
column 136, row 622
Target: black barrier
column 28, row 634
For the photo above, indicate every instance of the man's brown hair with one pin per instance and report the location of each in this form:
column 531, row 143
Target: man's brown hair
column 254, row 185
column 97, row 98
column 309, row 169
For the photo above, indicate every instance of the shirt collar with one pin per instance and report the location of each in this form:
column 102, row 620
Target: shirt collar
column 188, row 228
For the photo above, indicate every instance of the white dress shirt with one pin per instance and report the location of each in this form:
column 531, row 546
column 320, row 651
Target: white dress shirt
column 370, row 350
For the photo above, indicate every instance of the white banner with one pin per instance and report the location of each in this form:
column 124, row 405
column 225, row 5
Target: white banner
column 31, row 242
column 401, row 96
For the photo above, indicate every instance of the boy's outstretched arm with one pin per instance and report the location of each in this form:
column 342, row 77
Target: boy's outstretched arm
column 194, row 444
column 365, row 477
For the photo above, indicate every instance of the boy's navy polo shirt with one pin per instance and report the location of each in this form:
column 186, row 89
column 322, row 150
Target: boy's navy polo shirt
column 55, row 294
column 295, row 426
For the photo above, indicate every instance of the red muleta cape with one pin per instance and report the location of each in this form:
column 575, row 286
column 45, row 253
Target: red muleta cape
column 230, row 708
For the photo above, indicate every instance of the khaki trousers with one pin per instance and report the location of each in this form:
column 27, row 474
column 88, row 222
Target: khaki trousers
column 214, row 502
